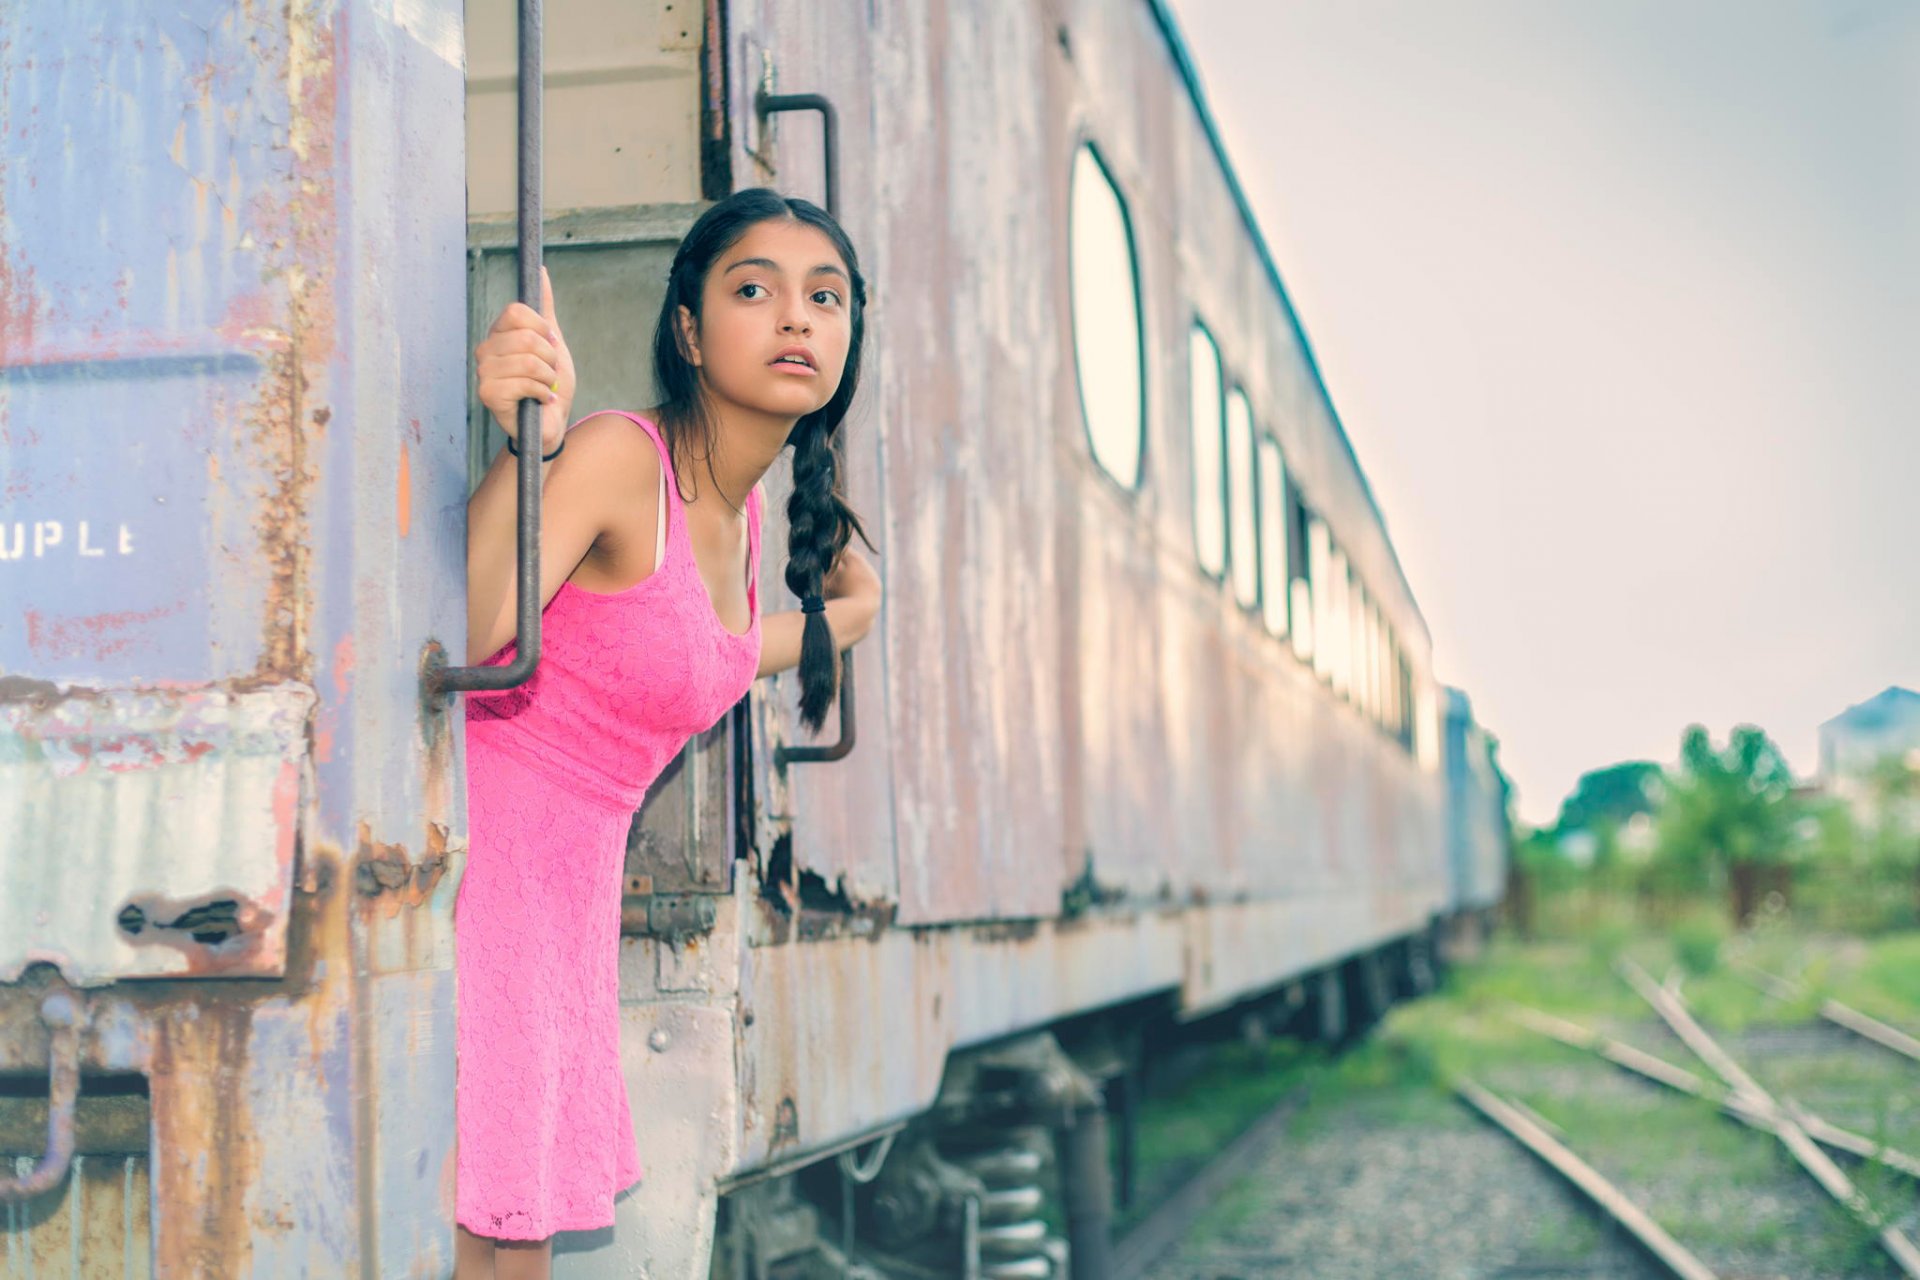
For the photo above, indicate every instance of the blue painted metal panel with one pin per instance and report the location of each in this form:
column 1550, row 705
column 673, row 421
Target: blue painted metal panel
column 147, row 259
column 232, row 453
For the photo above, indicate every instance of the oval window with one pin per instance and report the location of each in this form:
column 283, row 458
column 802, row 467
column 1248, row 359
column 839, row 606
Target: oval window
column 1273, row 537
column 1244, row 549
column 1209, row 454
column 1106, row 319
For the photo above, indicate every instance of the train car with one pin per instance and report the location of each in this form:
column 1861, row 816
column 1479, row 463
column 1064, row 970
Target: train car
column 1148, row 729
column 1479, row 822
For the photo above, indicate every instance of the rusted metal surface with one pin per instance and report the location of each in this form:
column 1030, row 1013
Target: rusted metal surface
column 837, row 818
column 1068, row 703
column 101, row 1230
column 174, row 814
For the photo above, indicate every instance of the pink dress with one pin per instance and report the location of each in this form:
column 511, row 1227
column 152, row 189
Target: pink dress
column 555, row 771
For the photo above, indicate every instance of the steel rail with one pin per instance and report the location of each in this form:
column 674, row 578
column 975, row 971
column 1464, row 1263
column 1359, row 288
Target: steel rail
column 1840, row 1015
column 1660, row 1071
column 1672, row 1009
column 1650, row 1234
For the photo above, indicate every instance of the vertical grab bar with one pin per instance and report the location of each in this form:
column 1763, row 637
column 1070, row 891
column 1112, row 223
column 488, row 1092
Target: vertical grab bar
column 527, row 546
column 64, row 1018
column 770, row 104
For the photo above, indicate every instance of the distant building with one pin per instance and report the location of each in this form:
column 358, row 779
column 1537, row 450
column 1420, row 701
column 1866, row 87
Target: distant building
column 1861, row 745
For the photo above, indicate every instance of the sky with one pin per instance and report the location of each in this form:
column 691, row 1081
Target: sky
column 1619, row 302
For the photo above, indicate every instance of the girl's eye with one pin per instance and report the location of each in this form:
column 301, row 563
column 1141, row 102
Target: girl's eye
column 826, row 297
column 742, row 290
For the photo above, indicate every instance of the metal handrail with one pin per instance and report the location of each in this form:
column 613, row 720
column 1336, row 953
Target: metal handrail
column 526, row 656
column 770, row 104
column 62, row 1015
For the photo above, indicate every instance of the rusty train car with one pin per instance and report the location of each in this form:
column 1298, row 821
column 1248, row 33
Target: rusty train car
column 1148, row 731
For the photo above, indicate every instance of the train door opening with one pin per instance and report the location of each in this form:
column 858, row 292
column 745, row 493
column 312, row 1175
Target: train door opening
column 633, row 150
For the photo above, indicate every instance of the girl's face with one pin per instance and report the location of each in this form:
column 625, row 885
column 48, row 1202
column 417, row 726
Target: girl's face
column 775, row 323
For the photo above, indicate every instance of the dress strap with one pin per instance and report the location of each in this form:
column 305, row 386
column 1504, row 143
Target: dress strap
column 669, row 491
column 753, row 552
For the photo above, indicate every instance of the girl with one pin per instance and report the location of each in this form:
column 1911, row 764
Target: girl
column 649, row 552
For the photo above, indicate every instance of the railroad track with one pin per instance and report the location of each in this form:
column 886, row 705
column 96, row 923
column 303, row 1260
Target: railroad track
column 1739, row 1095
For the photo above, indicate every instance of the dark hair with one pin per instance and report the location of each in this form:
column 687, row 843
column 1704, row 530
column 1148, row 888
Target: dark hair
column 819, row 521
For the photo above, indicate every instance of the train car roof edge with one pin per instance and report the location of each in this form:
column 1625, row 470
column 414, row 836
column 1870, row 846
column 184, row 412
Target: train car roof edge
column 1190, row 74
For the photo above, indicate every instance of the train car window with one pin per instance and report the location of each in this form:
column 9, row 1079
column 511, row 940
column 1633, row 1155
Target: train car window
column 1339, row 633
column 1320, row 588
column 1361, row 608
column 1383, row 651
column 1300, row 590
column 1107, row 346
column 1371, row 619
column 1243, row 549
column 1389, row 647
column 1376, row 684
column 1208, row 420
column 1274, row 519
column 1357, row 640
column 1406, row 703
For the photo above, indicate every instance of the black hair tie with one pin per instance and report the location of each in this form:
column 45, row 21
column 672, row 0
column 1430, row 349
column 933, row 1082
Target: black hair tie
column 812, row 604
column 545, row 457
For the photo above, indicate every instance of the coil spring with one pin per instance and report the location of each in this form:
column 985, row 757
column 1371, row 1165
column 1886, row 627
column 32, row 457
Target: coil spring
column 1010, row 1236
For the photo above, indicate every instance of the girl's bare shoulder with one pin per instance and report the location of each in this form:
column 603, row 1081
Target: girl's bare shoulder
column 610, row 452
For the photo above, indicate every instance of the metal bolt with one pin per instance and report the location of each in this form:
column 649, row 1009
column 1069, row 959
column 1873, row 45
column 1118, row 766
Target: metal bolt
column 659, row 1040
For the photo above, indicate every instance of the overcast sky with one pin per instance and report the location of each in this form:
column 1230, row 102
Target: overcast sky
column 1620, row 303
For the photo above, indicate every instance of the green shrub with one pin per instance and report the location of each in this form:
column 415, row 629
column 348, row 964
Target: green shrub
column 1696, row 943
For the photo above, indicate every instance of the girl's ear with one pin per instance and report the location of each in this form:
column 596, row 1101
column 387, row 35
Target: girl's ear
column 689, row 337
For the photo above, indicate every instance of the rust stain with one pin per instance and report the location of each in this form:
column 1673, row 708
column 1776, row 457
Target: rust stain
column 384, row 871
column 343, row 664
column 404, row 511
column 206, row 1151
column 218, row 930
column 282, row 418
column 94, row 635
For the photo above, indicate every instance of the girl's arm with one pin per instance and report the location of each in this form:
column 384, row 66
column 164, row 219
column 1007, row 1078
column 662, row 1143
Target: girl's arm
column 524, row 355
column 599, row 472
column 852, row 593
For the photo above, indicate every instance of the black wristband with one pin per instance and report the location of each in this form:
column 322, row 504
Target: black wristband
column 545, row 457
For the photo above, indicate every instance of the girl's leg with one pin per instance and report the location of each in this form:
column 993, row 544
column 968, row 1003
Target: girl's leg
column 523, row 1259
column 472, row 1255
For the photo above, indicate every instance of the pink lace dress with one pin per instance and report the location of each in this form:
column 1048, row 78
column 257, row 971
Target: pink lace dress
column 555, row 771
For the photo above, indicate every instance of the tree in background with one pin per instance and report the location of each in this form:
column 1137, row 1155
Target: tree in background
column 1606, row 802
column 1728, row 817
column 1893, row 841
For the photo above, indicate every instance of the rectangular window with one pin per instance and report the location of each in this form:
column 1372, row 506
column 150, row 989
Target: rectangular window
column 1208, row 424
column 1243, row 550
column 1274, row 519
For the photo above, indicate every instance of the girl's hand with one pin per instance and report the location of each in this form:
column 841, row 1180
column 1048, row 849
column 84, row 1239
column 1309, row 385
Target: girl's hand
column 524, row 357
column 852, row 593
column 853, row 578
